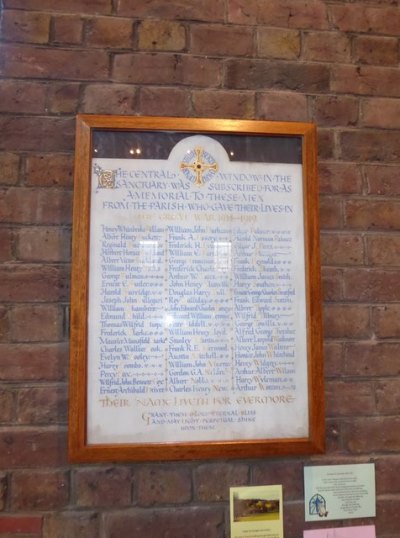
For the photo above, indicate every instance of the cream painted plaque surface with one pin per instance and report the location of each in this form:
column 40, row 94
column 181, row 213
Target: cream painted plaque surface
column 197, row 318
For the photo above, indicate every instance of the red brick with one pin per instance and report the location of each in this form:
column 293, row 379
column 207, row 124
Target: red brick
column 243, row 11
column 63, row 98
column 326, row 144
column 368, row 285
column 340, row 178
column 372, row 215
column 32, row 448
column 36, row 323
column 385, row 469
column 20, row 524
column 366, row 80
column 26, row 62
column 357, row 18
column 162, row 35
column 213, row 480
column 350, row 398
column 39, row 490
column 261, row 74
column 9, row 168
column 6, row 245
column 3, row 490
column 4, row 324
column 44, row 244
column 372, row 359
column 346, row 321
column 225, row 104
column 218, row 39
column 374, row 434
column 33, row 362
column 382, row 113
column 109, row 32
column 68, row 6
column 293, row 520
column 332, row 284
column 7, row 412
column 335, row 110
column 164, row 102
column 49, row 170
column 333, row 358
column 383, row 179
column 383, row 250
column 338, row 249
column 284, row 13
column 331, row 213
column 109, row 99
column 202, row 72
column 162, row 485
column 387, row 517
column 29, row 206
column 36, row 134
column 67, row 29
column 375, row 50
column 67, row 524
column 22, row 97
column 33, row 283
column 182, row 522
column 103, row 487
column 207, row 10
column 154, row 68
column 42, row 405
column 386, row 323
column 326, row 47
column 282, row 106
column 388, row 396
column 287, row 473
column 278, row 43
column 25, row 26
column 383, row 146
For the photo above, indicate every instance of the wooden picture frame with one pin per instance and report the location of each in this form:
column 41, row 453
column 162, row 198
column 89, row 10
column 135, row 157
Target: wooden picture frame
column 196, row 298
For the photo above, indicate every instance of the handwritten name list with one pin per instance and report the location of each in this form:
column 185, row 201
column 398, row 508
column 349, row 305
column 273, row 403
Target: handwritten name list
column 196, row 307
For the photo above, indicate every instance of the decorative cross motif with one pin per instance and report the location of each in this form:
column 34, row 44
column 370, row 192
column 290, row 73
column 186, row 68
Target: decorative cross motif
column 199, row 166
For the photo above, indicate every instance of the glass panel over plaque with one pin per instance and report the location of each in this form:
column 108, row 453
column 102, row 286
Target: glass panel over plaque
column 197, row 288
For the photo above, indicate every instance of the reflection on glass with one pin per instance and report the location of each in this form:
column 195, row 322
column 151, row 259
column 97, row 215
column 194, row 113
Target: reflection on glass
column 222, row 256
column 168, row 320
column 149, row 254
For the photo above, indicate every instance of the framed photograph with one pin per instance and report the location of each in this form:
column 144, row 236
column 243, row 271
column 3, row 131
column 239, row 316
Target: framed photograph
column 196, row 299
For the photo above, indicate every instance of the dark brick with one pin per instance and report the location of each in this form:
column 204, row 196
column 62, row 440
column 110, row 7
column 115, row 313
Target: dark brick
column 9, row 168
column 183, row 522
column 109, row 99
column 68, row 6
column 22, row 97
column 42, row 405
column 53, row 63
column 103, row 487
column 260, row 74
column 25, row 26
column 32, row 448
column 164, row 102
column 162, row 485
column 35, row 206
column 69, row 524
column 217, row 104
column 33, row 283
column 33, row 362
column 39, row 490
column 347, row 321
column 372, row 359
column 36, row 134
column 207, row 10
column 287, row 473
column 218, row 39
column 213, row 480
column 49, row 170
column 282, row 106
column 36, row 323
column 350, row 398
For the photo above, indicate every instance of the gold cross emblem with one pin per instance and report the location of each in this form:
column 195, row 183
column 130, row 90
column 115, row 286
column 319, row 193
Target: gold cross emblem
column 199, row 166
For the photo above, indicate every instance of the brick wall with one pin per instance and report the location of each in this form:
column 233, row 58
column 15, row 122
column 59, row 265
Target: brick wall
column 335, row 62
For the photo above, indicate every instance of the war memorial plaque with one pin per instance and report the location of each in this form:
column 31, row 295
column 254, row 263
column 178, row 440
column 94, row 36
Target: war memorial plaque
column 196, row 311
